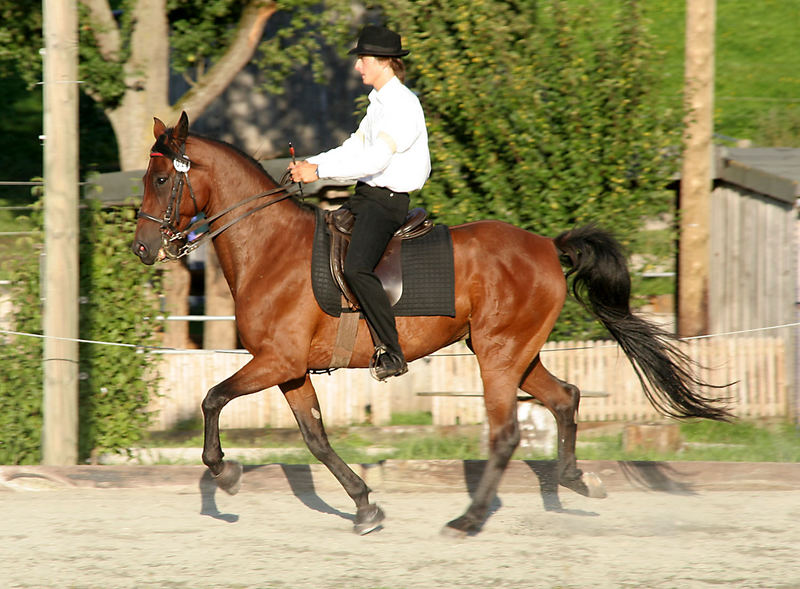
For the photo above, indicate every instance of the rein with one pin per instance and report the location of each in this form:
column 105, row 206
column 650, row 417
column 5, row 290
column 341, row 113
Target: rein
column 170, row 232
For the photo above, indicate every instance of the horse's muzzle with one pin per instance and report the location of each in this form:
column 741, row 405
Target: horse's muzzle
column 146, row 255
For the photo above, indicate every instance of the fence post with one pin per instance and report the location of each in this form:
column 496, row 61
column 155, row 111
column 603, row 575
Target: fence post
column 60, row 322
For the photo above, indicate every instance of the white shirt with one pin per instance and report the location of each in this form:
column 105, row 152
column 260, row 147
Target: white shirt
column 390, row 147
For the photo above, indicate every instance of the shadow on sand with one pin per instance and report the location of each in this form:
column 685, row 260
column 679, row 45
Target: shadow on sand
column 653, row 476
column 301, row 482
column 208, row 505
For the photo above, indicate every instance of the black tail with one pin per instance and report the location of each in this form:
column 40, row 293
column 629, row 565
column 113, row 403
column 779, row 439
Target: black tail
column 602, row 284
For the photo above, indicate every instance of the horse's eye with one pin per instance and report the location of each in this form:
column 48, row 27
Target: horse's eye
column 161, row 180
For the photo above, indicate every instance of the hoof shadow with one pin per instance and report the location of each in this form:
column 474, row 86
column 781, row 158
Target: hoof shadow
column 208, row 506
column 547, row 473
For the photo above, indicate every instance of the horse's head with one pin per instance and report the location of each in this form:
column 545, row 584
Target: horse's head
column 168, row 203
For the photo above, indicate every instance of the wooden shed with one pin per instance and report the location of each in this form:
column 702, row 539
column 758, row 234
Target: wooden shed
column 754, row 273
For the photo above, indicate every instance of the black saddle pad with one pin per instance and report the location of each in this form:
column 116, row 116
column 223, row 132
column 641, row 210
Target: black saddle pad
column 428, row 274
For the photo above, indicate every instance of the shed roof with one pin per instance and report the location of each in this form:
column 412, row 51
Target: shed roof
column 771, row 171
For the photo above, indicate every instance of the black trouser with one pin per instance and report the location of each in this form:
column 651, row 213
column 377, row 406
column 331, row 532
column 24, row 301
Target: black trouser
column 378, row 213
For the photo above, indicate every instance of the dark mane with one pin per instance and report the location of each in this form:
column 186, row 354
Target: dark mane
column 306, row 207
column 250, row 159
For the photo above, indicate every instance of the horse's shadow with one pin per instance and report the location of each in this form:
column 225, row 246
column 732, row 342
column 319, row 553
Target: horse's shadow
column 300, row 480
column 546, row 473
column 208, row 502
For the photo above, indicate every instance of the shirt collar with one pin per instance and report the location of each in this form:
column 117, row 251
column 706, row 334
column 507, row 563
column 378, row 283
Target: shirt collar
column 387, row 89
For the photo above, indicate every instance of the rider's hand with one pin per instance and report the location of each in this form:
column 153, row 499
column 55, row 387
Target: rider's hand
column 303, row 172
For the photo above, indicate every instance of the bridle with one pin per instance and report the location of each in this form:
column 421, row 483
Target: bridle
column 169, row 226
column 182, row 164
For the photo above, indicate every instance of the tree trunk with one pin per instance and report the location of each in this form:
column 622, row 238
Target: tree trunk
column 177, row 283
column 220, row 335
column 147, row 85
column 147, row 74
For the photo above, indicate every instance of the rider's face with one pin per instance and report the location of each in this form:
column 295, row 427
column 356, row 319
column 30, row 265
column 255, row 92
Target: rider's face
column 374, row 72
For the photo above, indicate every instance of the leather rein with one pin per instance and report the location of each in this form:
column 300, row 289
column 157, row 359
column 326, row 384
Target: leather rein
column 169, row 229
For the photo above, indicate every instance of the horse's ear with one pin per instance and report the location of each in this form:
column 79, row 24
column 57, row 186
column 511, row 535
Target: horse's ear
column 158, row 127
column 181, row 130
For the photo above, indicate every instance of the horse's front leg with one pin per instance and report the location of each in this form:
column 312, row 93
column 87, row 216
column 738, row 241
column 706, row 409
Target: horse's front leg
column 227, row 473
column 249, row 379
column 302, row 399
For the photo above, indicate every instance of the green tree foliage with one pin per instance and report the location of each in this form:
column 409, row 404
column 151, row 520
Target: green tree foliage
column 200, row 34
column 21, row 377
column 128, row 50
column 21, row 39
column 536, row 120
column 117, row 295
column 541, row 116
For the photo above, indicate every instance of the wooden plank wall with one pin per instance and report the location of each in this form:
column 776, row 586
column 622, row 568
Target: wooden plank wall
column 346, row 397
column 758, row 364
column 752, row 280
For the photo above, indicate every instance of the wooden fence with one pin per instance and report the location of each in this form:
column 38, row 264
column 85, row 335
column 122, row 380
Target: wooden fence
column 757, row 365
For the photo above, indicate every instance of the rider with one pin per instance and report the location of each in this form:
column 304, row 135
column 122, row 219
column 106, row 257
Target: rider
column 388, row 156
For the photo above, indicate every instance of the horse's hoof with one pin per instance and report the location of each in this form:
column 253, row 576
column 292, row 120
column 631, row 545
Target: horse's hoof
column 597, row 490
column 368, row 519
column 451, row 532
column 230, row 479
column 461, row 527
column 588, row 485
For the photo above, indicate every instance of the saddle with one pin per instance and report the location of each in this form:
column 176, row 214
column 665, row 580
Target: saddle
column 390, row 267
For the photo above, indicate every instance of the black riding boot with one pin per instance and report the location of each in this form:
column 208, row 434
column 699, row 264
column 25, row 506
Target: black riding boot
column 385, row 363
column 378, row 214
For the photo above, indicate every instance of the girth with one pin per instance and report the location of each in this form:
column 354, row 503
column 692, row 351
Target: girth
column 390, row 267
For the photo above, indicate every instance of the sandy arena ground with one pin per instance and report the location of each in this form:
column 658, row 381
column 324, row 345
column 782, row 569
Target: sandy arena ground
column 290, row 527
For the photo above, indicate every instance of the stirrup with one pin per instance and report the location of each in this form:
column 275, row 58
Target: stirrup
column 375, row 361
column 380, row 372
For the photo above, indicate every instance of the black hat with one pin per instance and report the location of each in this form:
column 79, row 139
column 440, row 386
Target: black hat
column 378, row 41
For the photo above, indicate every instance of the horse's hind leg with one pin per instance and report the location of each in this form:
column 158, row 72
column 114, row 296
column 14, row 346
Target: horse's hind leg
column 562, row 399
column 302, row 399
column 500, row 394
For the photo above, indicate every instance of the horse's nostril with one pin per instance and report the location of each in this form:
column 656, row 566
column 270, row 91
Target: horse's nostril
column 139, row 249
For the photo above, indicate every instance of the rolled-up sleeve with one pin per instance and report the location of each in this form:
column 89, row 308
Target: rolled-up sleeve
column 355, row 158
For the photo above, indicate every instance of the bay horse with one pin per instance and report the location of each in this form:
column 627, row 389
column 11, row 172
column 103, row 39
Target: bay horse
column 509, row 290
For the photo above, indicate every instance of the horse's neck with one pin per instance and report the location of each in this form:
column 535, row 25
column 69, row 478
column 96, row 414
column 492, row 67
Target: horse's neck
column 250, row 246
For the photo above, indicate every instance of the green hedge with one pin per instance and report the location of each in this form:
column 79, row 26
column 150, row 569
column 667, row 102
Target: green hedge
column 117, row 292
column 543, row 115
